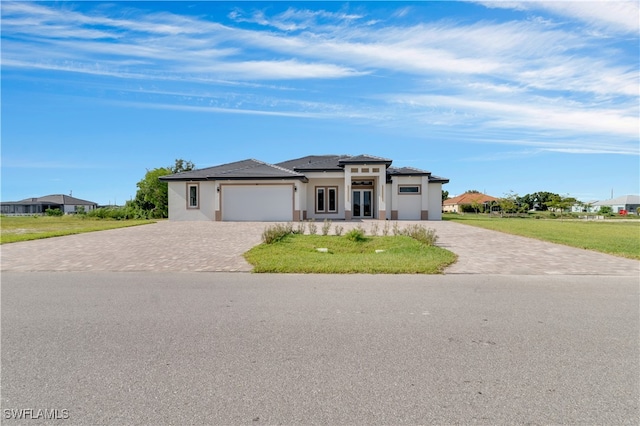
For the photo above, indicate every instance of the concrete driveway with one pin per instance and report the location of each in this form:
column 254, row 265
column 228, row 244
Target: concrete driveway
column 218, row 246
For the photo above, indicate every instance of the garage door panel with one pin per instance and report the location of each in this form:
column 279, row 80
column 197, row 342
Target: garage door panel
column 257, row 203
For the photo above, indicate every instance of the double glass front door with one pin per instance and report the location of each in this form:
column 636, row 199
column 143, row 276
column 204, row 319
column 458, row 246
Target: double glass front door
column 362, row 203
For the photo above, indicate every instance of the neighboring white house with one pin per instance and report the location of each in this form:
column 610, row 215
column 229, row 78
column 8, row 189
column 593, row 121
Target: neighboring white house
column 30, row 206
column 313, row 187
column 628, row 203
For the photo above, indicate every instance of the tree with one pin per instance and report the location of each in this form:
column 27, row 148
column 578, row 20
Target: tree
column 605, row 210
column 537, row 200
column 472, row 191
column 182, row 166
column 152, row 197
column 561, row 203
column 508, row 203
column 476, row 205
column 445, row 195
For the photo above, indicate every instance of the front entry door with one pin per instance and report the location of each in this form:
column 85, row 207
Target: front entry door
column 363, row 203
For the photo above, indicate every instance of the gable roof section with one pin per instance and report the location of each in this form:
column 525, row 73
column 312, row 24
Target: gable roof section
column 623, row 200
column 365, row 159
column 59, row 199
column 294, row 169
column 239, row 170
column 468, row 198
column 314, row 163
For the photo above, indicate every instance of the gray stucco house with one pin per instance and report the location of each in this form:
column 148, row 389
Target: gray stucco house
column 628, row 203
column 30, row 206
column 314, row 187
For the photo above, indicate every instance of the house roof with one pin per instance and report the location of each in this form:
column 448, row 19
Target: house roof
column 245, row 169
column 294, row 169
column 623, row 200
column 59, row 199
column 314, row 163
column 468, row 198
column 365, row 159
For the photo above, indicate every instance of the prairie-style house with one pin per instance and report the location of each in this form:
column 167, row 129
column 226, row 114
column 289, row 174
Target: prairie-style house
column 336, row 187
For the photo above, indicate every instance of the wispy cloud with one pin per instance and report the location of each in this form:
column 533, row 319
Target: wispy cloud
column 532, row 81
column 614, row 15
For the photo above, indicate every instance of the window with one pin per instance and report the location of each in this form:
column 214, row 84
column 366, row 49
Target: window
column 409, row 189
column 354, row 170
column 326, row 199
column 365, row 170
column 376, row 170
column 192, row 196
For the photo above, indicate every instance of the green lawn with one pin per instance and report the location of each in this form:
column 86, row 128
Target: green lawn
column 24, row 228
column 616, row 237
column 297, row 254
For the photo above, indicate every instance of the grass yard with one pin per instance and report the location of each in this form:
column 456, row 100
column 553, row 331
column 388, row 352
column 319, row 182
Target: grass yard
column 297, row 253
column 616, row 237
column 24, row 228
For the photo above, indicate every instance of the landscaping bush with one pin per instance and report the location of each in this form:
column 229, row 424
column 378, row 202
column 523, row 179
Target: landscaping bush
column 275, row 233
column 338, row 230
column 356, row 235
column 426, row 236
column 326, row 226
column 313, row 228
column 53, row 212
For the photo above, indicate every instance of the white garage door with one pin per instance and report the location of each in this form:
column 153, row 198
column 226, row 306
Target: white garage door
column 257, row 202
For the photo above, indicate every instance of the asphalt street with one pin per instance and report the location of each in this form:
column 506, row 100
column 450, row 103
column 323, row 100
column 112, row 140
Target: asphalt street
column 129, row 348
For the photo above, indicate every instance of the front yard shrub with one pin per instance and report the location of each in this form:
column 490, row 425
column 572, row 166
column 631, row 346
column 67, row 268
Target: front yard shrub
column 301, row 228
column 338, row 230
column 313, row 228
column 374, row 228
column 53, row 212
column 355, row 235
column 326, row 226
column 275, row 233
column 426, row 236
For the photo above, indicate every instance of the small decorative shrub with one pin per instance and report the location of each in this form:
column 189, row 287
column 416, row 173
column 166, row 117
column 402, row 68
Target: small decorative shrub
column 355, row 235
column 374, row 229
column 53, row 212
column 385, row 228
column 301, row 228
column 313, row 228
column 338, row 230
column 396, row 229
column 274, row 233
column 419, row 232
column 326, row 226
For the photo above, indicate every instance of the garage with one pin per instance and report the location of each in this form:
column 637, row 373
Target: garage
column 258, row 202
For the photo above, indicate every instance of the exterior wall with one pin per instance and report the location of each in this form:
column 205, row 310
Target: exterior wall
column 325, row 180
column 366, row 172
column 178, row 202
column 409, row 206
column 435, row 201
column 389, row 199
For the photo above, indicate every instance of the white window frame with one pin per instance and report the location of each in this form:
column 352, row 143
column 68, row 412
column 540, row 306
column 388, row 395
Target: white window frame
column 195, row 185
column 418, row 192
column 326, row 207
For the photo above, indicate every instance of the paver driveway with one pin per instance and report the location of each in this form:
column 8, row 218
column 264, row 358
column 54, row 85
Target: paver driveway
column 218, row 246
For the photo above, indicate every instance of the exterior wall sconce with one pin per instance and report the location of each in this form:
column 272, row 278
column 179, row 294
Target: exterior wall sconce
column 295, row 188
column 217, row 189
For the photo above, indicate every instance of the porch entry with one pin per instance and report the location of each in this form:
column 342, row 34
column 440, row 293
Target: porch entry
column 362, row 199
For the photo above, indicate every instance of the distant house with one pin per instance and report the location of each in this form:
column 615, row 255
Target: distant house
column 30, row 206
column 335, row 187
column 585, row 207
column 628, row 203
column 454, row 205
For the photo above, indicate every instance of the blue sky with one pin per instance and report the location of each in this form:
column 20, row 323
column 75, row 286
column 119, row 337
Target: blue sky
column 496, row 96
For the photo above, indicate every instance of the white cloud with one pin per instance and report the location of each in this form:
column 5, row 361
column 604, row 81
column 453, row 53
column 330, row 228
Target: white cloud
column 611, row 15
